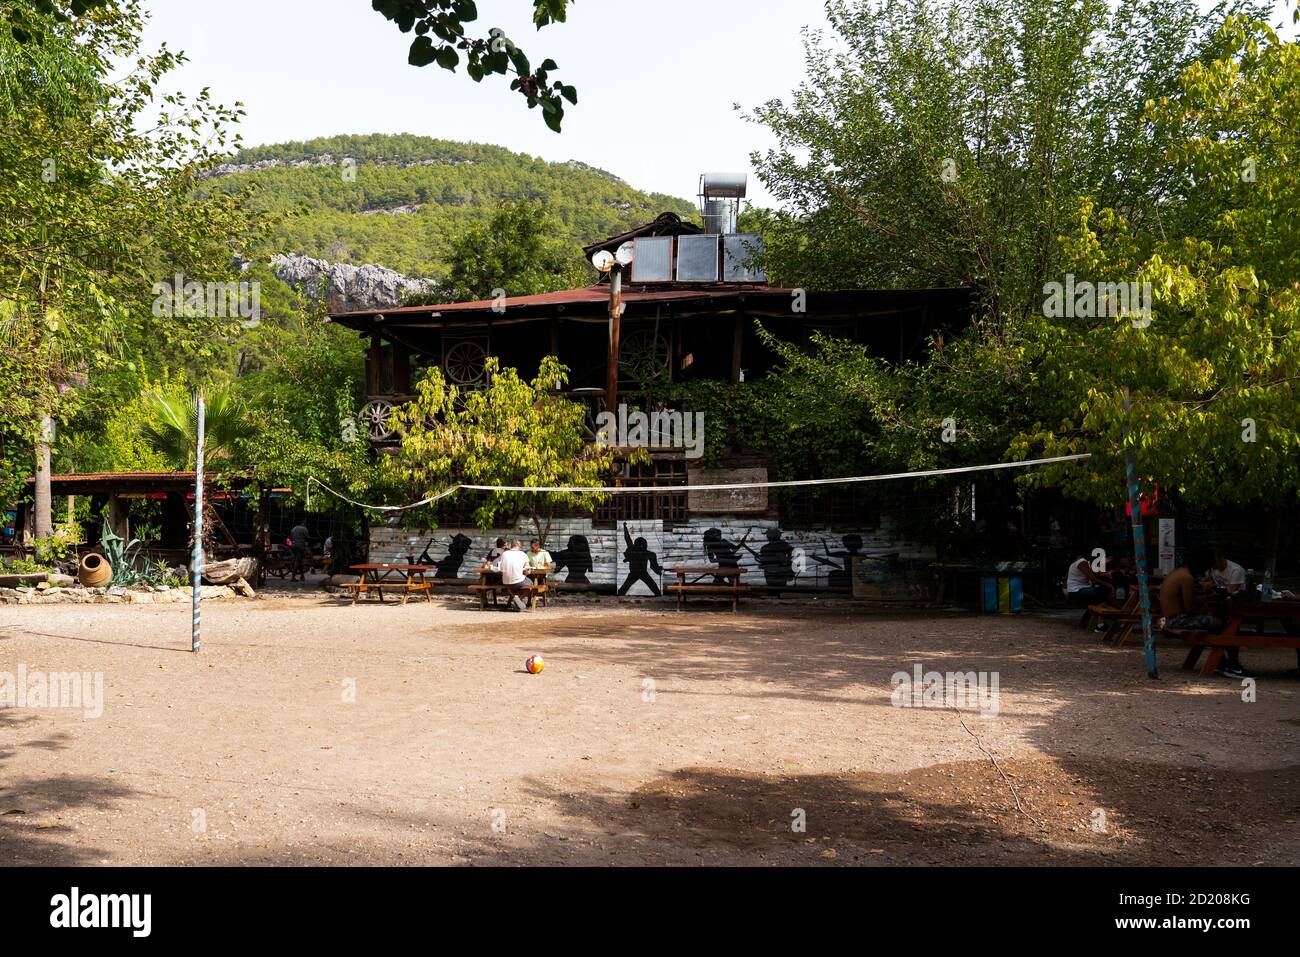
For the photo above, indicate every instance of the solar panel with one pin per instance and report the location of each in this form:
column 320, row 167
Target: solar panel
column 653, row 259
column 737, row 251
column 697, row 258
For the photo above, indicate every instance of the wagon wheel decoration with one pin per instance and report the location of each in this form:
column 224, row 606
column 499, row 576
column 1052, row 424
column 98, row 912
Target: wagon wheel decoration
column 465, row 363
column 644, row 355
column 377, row 417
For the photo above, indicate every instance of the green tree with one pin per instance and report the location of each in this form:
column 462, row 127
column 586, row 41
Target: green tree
column 301, row 380
column 173, row 429
column 946, row 143
column 1000, row 144
column 97, row 205
column 516, row 253
column 1215, row 375
column 512, row 433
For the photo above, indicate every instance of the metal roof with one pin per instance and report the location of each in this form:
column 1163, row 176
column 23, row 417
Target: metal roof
column 93, row 483
column 720, row 297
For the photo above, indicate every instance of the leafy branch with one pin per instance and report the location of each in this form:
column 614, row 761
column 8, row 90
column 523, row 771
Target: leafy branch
column 441, row 38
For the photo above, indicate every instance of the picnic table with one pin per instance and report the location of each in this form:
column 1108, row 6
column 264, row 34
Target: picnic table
column 378, row 576
column 1250, row 612
column 1122, row 620
column 489, row 582
column 726, row 581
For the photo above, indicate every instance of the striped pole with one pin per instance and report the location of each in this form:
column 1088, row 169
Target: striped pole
column 196, row 556
column 1139, row 544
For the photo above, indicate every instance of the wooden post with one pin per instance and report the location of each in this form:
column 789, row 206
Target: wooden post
column 372, row 365
column 615, row 320
column 737, row 342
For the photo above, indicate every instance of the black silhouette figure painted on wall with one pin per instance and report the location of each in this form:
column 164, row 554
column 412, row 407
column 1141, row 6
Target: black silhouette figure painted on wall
column 638, row 556
column 449, row 567
column 840, row 575
column 776, row 558
column 576, row 557
column 721, row 552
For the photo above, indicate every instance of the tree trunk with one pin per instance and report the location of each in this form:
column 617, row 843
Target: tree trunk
column 543, row 529
column 43, row 512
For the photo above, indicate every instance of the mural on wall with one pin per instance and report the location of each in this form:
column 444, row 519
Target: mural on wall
column 587, row 556
column 453, row 555
column 839, row 575
column 639, row 571
column 721, row 552
column 575, row 559
column 776, row 558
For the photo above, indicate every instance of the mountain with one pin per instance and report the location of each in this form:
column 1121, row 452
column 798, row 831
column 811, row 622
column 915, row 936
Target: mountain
column 399, row 200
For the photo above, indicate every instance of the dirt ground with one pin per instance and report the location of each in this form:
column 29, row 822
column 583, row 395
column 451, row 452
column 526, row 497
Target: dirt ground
column 310, row 731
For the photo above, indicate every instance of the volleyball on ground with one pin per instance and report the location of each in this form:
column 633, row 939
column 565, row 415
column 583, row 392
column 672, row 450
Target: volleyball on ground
column 534, row 664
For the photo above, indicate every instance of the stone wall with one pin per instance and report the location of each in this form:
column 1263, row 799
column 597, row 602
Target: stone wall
column 774, row 556
column 76, row 595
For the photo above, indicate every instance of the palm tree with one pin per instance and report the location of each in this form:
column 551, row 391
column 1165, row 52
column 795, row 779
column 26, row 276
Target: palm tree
column 175, row 431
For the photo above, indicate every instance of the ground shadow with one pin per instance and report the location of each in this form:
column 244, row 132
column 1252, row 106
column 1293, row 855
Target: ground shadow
column 32, row 831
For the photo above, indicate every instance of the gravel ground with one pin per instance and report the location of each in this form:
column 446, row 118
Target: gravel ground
column 311, row 731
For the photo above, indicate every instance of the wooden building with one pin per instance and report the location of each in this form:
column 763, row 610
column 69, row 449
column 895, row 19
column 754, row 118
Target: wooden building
column 689, row 301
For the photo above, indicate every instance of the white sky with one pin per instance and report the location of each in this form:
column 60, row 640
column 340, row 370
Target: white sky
column 656, row 79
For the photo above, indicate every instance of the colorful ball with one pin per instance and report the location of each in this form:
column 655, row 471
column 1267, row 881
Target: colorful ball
column 534, row 664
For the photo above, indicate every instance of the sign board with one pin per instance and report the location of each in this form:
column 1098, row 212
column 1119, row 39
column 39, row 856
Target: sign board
column 726, row 501
column 1165, row 552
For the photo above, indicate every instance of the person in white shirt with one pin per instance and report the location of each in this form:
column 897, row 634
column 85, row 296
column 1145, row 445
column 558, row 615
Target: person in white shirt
column 513, row 563
column 1085, row 587
column 1227, row 574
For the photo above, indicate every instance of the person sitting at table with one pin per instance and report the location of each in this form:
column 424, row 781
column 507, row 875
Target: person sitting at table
column 1185, row 610
column 1085, row 587
column 1227, row 574
column 539, row 558
column 494, row 553
column 513, row 564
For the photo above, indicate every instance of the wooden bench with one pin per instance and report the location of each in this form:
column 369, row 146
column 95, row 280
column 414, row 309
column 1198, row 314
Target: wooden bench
column 533, row 590
column 1218, row 645
column 379, row 577
column 1112, row 615
column 358, row 589
column 683, row 589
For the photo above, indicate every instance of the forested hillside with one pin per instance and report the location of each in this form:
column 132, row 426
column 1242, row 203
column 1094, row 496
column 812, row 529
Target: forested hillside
column 401, row 200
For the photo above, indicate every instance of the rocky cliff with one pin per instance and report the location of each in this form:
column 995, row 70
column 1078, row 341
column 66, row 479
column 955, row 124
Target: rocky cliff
column 344, row 287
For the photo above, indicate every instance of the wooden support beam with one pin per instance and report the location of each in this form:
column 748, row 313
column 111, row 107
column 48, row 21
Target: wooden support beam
column 737, row 343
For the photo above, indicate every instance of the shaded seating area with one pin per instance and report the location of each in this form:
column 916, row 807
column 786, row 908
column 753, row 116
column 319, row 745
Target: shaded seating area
column 490, row 584
column 1247, row 624
column 155, row 507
